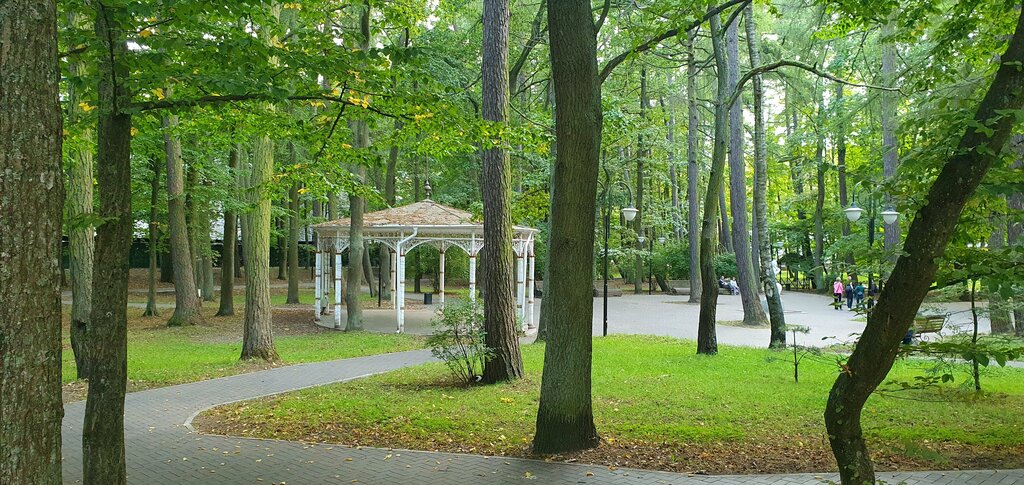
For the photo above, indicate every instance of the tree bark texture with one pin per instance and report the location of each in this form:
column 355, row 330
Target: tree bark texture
column 502, row 336
column 357, row 204
column 693, row 169
column 154, row 237
column 293, row 239
column 31, row 204
column 707, row 339
column 204, row 250
column 565, row 418
column 929, row 233
column 103, row 430
column 258, row 329
column 227, row 255
column 767, row 276
column 186, row 297
column 890, row 150
column 81, row 235
column 753, row 314
column 819, row 205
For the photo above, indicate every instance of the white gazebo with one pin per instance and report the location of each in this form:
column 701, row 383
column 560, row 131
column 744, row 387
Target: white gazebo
column 404, row 228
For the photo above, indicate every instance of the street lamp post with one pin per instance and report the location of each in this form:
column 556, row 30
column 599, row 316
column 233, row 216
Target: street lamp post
column 629, row 213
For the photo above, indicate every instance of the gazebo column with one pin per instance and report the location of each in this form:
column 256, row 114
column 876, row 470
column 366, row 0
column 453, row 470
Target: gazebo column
column 472, row 276
column 392, row 256
column 520, row 290
column 401, row 290
column 337, row 290
column 440, row 275
column 531, row 277
column 318, row 283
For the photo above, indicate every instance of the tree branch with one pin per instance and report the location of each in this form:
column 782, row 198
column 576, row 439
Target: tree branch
column 650, row 43
column 807, row 67
column 232, row 98
column 536, row 34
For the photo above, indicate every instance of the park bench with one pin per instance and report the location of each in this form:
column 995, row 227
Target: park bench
column 679, row 287
column 599, row 290
column 929, row 324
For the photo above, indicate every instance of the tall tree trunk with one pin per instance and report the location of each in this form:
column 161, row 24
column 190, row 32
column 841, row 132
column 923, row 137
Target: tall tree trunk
column 186, row 298
column 693, row 169
column 998, row 307
column 502, row 337
column 32, row 203
column 764, row 247
column 204, row 248
column 81, row 242
column 357, row 204
column 1015, row 228
column 841, row 129
column 227, row 255
column 565, row 417
column 753, row 314
column 670, row 139
column 890, row 150
column 723, row 209
column 293, row 236
column 819, row 206
column 638, row 224
column 384, row 254
column 282, row 248
column 545, row 303
column 929, row 233
column 707, row 339
column 154, row 237
column 258, row 329
column 103, row 430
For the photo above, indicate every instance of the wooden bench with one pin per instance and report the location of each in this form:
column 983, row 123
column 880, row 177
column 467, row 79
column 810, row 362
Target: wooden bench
column 679, row 287
column 599, row 291
column 929, row 324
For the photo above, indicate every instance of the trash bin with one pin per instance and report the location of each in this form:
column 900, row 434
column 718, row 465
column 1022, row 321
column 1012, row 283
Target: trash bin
column 428, row 298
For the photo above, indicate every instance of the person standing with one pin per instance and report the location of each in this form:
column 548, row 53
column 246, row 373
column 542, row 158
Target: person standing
column 848, row 290
column 837, row 293
column 858, row 295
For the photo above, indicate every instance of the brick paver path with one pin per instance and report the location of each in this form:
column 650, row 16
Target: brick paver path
column 161, row 448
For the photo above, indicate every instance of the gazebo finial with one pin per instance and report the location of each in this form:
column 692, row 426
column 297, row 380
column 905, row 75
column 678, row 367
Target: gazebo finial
column 426, row 188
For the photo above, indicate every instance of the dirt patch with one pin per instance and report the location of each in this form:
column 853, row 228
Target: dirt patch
column 781, row 454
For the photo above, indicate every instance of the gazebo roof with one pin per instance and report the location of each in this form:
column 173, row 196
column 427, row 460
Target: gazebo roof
column 425, row 215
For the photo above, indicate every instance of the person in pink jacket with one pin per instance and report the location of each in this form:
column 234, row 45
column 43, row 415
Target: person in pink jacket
column 837, row 293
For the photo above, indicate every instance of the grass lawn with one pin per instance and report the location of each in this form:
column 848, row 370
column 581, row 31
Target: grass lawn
column 161, row 356
column 658, row 405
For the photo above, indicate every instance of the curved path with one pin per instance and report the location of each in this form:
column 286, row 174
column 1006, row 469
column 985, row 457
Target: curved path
column 162, row 448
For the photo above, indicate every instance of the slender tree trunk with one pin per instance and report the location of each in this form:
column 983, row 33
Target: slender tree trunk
column 154, row 237
column 502, row 338
column 819, row 206
column 205, row 250
column 890, row 150
column 998, row 307
column 186, row 298
column 638, row 225
column 723, row 209
column 1015, row 229
column 565, row 418
column 357, row 205
column 282, row 249
column 293, row 237
column 841, row 129
column 103, row 429
column 693, row 169
column 929, row 233
column 707, row 339
column 753, row 314
column 31, row 204
column 227, row 256
column 258, row 329
column 81, row 242
column 670, row 139
column 764, row 248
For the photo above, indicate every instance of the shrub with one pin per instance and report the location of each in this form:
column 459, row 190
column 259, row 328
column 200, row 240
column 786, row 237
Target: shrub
column 672, row 260
column 725, row 264
column 458, row 339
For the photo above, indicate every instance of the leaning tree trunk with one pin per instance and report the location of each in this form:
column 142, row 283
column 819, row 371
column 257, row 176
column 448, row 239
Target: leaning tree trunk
column 764, row 249
column 692, row 169
column 258, row 330
column 81, row 242
column 154, row 237
column 930, row 232
column 103, row 455
column 230, row 240
column 501, row 338
column 707, row 339
column 890, row 150
column 186, row 298
column 565, row 417
column 753, row 314
column 31, row 204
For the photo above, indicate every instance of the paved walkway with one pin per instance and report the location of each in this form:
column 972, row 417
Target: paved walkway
column 162, row 448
